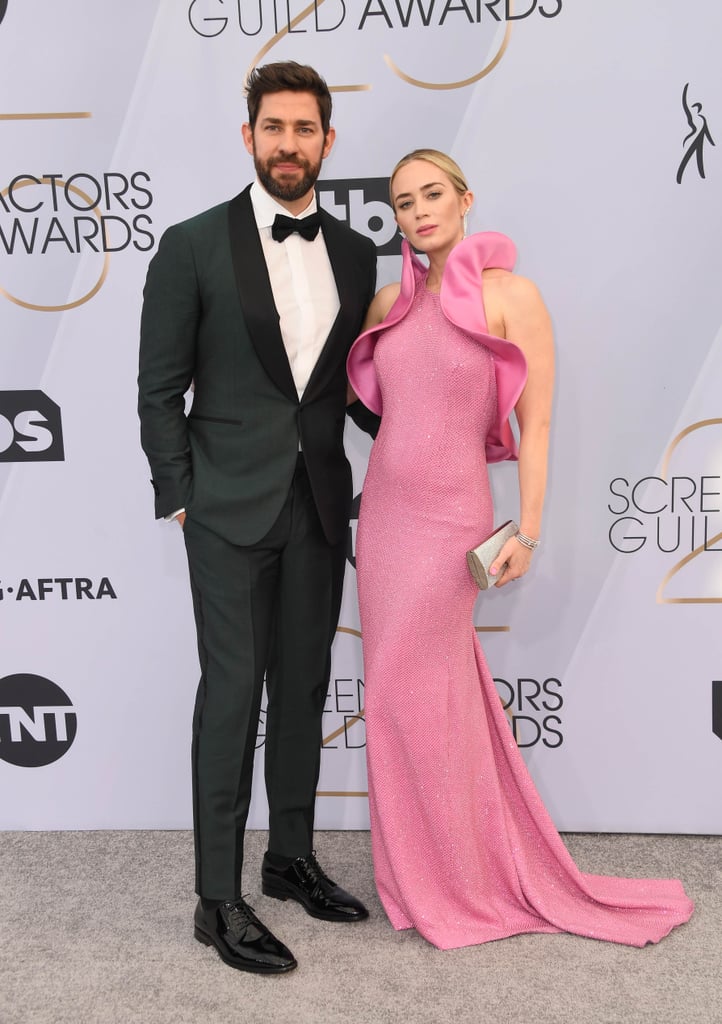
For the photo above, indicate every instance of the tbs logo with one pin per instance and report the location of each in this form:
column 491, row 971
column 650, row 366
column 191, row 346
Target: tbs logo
column 30, row 427
column 37, row 721
column 363, row 203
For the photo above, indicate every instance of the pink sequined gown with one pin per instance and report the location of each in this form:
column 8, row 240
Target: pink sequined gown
column 464, row 850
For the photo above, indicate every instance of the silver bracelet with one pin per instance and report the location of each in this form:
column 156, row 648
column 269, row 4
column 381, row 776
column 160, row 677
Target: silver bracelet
column 528, row 542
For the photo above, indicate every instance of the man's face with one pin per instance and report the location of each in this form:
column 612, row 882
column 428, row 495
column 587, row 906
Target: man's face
column 288, row 146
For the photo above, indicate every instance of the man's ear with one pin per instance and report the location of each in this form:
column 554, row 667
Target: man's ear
column 328, row 142
column 247, row 134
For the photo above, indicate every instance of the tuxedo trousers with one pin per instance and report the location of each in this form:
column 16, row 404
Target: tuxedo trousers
column 267, row 609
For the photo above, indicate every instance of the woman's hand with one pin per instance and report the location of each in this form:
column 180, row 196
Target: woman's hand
column 512, row 562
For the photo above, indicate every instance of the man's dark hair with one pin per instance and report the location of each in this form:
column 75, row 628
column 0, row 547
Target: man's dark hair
column 287, row 76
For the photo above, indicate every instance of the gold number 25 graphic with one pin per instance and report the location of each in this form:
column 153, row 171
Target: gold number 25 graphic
column 661, row 599
column 307, row 11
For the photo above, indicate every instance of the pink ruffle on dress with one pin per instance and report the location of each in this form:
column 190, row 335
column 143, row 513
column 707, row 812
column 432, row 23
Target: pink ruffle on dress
column 464, row 850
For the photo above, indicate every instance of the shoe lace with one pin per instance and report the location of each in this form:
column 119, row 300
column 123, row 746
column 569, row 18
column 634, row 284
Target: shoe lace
column 314, row 872
column 240, row 914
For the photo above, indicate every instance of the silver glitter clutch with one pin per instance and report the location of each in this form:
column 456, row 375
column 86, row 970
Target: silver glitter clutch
column 481, row 558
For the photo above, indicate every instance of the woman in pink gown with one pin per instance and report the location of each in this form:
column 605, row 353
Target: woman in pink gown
column 464, row 850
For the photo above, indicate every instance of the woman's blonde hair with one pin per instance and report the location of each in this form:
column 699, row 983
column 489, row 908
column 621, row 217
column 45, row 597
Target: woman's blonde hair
column 432, row 156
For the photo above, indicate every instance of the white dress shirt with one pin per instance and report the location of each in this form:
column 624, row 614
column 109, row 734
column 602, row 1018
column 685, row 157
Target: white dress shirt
column 303, row 285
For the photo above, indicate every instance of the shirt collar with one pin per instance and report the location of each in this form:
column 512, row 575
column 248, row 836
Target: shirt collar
column 265, row 206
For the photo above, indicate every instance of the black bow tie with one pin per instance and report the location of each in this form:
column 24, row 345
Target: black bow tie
column 307, row 227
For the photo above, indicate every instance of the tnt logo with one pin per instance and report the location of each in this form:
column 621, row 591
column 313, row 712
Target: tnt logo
column 363, row 203
column 37, row 721
column 30, row 428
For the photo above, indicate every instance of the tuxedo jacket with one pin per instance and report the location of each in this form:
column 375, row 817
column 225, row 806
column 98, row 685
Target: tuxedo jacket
column 209, row 318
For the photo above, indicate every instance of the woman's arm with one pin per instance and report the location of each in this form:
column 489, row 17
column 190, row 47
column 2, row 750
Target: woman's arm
column 377, row 311
column 527, row 323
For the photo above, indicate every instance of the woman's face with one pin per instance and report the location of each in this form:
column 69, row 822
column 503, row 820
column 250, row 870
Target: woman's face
column 428, row 209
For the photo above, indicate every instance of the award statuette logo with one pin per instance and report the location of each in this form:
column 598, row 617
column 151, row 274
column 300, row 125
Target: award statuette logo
column 696, row 138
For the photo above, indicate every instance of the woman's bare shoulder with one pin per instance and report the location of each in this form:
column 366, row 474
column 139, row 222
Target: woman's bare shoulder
column 510, row 287
column 381, row 304
column 387, row 296
column 514, row 306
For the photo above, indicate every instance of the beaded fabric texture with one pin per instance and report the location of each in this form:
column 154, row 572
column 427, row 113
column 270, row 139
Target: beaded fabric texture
column 464, row 849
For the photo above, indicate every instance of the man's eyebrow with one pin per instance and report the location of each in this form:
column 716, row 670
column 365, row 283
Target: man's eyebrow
column 303, row 122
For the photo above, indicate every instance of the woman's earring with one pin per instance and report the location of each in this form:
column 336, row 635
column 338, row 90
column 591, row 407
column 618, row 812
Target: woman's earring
column 466, row 223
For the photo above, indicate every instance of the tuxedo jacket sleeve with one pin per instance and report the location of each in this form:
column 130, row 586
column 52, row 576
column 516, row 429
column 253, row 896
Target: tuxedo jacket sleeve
column 169, row 325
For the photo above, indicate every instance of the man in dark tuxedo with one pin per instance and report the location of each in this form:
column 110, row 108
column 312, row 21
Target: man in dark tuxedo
column 256, row 302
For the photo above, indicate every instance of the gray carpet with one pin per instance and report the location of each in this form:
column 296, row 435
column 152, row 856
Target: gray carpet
column 95, row 928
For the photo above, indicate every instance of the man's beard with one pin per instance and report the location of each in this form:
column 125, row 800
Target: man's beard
column 291, row 190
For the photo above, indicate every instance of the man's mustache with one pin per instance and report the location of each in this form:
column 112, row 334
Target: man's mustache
column 287, row 160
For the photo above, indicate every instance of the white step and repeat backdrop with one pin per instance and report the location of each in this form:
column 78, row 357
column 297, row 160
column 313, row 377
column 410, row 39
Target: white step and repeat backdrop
column 587, row 129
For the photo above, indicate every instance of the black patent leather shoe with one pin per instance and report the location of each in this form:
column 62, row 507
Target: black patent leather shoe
column 241, row 939
column 304, row 881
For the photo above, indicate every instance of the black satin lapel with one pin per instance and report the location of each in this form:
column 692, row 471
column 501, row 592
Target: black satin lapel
column 343, row 331
column 254, row 290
